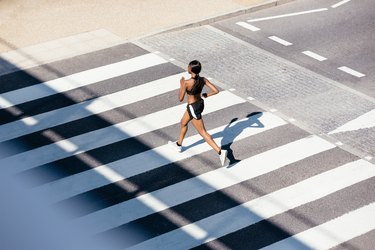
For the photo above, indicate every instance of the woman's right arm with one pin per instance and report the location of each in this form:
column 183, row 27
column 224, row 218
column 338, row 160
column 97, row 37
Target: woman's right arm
column 181, row 93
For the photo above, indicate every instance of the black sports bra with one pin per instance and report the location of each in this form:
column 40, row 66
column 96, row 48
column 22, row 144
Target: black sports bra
column 197, row 87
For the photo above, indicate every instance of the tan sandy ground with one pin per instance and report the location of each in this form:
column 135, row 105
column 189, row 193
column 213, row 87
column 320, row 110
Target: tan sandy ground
column 28, row 22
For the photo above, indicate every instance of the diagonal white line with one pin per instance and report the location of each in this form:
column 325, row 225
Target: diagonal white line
column 340, row 3
column 287, row 15
column 364, row 121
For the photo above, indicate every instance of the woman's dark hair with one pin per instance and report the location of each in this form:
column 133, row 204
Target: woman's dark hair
column 196, row 67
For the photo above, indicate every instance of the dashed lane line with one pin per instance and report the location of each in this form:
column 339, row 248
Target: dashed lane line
column 247, row 26
column 314, row 55
column 279, row 40
column 351, row 71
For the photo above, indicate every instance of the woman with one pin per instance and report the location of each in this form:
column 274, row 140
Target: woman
column 193, row 88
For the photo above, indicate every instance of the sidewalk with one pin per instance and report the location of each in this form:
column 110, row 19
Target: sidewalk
column 28, row 22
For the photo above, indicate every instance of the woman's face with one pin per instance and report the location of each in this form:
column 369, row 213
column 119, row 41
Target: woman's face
column 189, row 69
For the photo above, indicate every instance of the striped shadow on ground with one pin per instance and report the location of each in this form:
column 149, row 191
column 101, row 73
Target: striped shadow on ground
column 154, row 158
column 194, row 210
column 53, row 70
column 108, row 135
column 263, row 207
column 204, row 184
column 331, row 233
column 78, row 80
column 90, row 107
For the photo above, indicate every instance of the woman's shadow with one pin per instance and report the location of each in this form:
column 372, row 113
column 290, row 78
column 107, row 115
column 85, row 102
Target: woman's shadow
column 232, row 130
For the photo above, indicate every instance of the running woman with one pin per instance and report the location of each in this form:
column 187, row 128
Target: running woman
column 193, row 88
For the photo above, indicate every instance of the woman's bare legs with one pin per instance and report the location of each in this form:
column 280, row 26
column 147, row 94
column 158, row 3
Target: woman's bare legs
column 184, row 127
column 199, row 126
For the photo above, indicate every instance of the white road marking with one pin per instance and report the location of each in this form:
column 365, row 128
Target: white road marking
column 331, row 233
column 314, row 55
column 287, row 15
column 247, row 26
column 80, row 79
column 152, row 159
column 263, row 207
column 351, row 71
column 340, row 3
column 279, row 40
column 112, row 134
column 362, row 122
column 207, row 183
column 83, row 109
column 369, row 158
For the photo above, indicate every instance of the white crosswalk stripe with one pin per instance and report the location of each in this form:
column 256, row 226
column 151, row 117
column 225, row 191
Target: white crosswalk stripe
column 80, row 110
column 79, row 80
column 148, row 160
column 264, row 207
column 105, row 136
column 181, row 200
column 209, row 182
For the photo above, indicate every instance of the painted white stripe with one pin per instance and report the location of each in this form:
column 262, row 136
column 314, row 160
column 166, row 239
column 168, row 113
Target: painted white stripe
column 207, row 183
column 112, row 134
column 263, row 207
column 279, row 40
column 340, row 3
column 95, row 106
column 351, row 71
column 80, row 79
column 154, row 158
column 364, row 121
column 287, row 15
column 314, row 55
column 332, row 233
column 247, row 26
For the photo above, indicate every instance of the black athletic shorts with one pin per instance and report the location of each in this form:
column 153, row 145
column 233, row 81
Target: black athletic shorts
column 195, row 109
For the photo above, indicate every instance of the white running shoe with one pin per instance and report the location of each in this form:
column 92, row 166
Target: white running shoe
column 224, row 159
column 174, row 145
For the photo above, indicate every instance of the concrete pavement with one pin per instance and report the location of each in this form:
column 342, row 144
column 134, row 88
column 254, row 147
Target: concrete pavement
column 26, row 22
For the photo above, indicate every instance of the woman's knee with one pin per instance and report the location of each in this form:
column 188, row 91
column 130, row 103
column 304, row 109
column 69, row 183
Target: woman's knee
column 183, row 123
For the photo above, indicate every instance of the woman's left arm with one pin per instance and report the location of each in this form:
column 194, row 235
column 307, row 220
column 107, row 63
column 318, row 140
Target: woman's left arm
column 181, row 94
column 212, row 87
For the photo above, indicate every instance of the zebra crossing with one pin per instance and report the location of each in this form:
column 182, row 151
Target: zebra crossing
column 94, row 142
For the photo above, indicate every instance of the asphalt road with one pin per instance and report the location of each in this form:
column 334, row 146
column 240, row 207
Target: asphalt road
column 341, row 32
column 88, row 135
